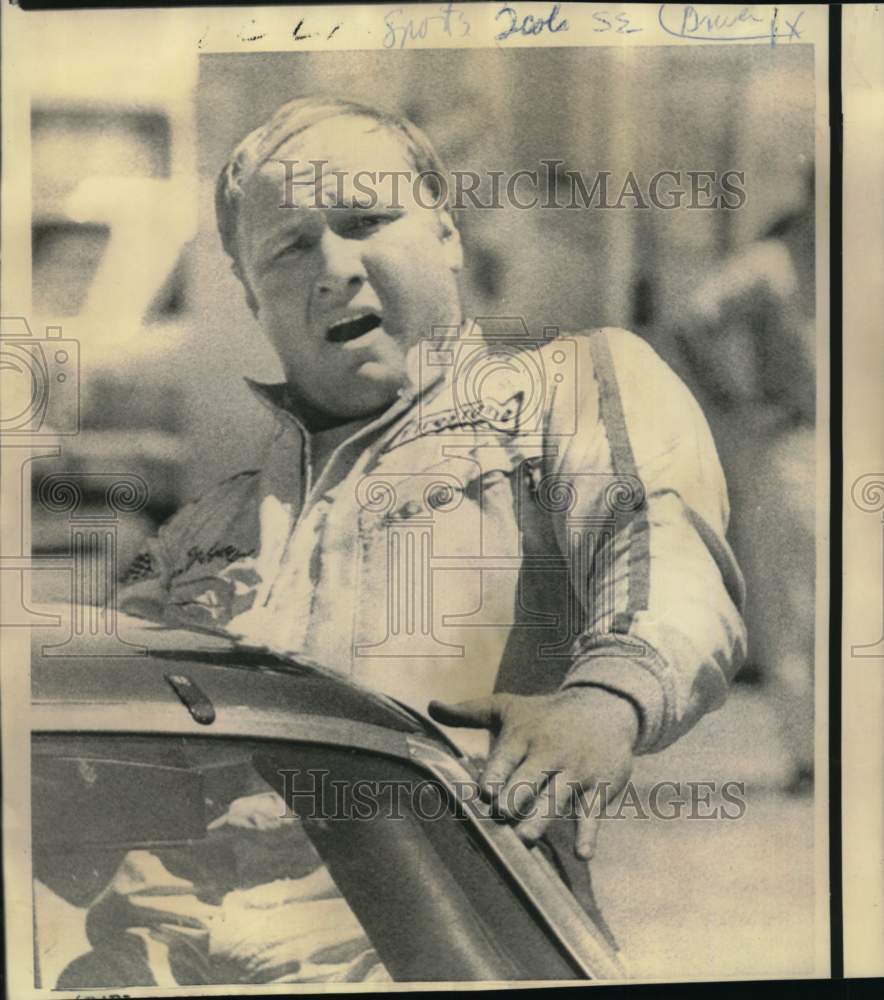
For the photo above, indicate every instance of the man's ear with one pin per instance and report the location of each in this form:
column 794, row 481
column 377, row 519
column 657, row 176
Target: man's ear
column 450, row 237
column 251, row 301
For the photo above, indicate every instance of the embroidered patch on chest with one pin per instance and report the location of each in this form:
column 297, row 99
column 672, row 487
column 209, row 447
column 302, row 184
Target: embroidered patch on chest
column 487, row 413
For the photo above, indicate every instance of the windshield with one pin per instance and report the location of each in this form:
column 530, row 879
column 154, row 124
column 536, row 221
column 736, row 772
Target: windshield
column 166, row 861
column 163, row 862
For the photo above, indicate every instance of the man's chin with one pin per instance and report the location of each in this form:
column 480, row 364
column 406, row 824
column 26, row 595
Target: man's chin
column 373, row 385
column 379, row 379
column 367, row 392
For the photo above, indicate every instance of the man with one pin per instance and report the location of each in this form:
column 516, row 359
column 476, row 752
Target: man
column 525, row 534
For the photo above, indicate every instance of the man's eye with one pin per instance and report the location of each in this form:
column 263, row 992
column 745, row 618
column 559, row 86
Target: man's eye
column 296, row 246
column 365, row 223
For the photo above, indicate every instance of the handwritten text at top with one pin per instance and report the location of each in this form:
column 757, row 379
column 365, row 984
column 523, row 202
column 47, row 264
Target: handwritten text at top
column 448, row 20
column 737, row 25
column 516, row 23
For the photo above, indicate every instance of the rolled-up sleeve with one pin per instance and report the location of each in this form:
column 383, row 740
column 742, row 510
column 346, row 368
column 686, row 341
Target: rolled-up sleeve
column 659, row 587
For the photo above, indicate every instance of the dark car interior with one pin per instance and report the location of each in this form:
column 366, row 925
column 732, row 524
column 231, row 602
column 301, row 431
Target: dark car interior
column 208, row 861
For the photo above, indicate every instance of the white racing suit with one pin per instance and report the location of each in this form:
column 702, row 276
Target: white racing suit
column 527, row 516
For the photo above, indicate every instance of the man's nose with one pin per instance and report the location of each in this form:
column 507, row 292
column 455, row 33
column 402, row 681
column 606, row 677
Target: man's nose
column 342, row 272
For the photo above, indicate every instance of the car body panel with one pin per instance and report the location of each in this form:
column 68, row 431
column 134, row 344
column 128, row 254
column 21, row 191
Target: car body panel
column 227, row 672
column 191, row 684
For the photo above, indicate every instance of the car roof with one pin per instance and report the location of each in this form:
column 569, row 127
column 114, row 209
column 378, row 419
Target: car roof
column 101, row 670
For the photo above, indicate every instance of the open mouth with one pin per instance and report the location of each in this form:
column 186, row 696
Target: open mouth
column 350, row 329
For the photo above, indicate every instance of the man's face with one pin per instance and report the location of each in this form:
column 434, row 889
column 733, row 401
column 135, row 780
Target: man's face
column 344, row 292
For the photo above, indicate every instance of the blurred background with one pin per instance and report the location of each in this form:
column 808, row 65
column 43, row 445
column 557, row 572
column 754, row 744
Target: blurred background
column 127, row 260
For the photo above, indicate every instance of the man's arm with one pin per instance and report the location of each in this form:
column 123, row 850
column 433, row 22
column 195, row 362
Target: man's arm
column 663, row 628
column 659, row 588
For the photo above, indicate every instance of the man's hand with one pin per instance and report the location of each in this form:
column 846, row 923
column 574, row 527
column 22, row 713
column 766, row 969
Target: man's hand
column 262, row 812
column 546, row 749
